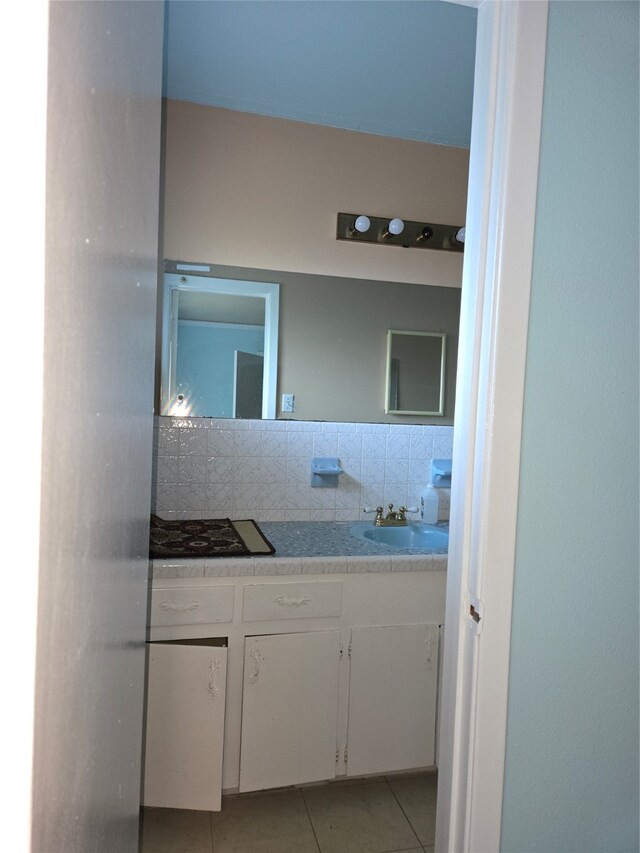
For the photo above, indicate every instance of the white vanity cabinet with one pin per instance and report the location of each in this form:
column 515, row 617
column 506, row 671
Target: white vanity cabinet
column 327, row 676
column 185, row 724
column 289, row 709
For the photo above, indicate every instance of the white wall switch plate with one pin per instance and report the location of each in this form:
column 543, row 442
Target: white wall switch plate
column 287, row 402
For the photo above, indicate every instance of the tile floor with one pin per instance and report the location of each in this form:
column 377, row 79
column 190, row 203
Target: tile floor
column 388, row 814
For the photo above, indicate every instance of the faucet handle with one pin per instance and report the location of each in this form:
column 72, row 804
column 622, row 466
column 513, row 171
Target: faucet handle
column 402, row 512
column 377, row 510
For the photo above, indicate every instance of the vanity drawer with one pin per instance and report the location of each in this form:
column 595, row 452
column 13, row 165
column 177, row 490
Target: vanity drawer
column 271, row 601
column 191, row 605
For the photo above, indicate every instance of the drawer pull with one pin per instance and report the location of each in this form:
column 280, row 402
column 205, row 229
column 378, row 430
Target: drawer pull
column 288, row 601
column 170, row 607
column 215, row 664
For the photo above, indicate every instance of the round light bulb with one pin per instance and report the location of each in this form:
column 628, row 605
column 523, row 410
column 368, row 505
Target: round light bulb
column 460, row 234
column 362, row 224
column 396, row 226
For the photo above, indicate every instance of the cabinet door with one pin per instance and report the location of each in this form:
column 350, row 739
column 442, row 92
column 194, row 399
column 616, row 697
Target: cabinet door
column 392, row 698
column 289, row 709
column 185, row 725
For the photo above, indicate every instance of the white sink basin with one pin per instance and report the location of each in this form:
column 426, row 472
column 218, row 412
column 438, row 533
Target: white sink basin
column 419, row 537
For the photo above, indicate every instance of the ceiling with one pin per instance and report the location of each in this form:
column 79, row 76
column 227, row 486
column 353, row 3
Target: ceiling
column 399, row 68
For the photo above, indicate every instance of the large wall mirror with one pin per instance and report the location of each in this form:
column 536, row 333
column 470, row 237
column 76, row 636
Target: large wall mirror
column 219, row 347
column 236, row 339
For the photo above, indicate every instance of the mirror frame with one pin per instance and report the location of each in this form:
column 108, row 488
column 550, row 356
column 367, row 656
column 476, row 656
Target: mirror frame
column 388, row 384
column 269, row 291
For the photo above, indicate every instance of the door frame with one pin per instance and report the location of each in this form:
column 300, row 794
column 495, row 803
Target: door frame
column 501, row 207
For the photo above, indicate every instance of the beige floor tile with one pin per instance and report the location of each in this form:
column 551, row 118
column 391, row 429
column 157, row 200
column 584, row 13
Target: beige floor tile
column 429, row 849
column 264, row 823
column 361, row 818
column 417, row 796
column 175, row 831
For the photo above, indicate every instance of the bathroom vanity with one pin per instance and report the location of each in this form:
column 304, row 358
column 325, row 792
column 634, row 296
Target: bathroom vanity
column 274, row 671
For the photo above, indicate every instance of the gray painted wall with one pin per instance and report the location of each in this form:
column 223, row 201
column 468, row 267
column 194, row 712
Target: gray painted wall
column 572, row 748
column 102, row 244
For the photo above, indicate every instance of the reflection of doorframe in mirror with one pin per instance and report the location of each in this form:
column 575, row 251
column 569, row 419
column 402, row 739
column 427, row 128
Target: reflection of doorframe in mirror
column 268, row 291
column 392, row 400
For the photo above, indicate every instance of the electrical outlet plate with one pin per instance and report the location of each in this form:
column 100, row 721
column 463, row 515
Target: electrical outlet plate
column 287, row 403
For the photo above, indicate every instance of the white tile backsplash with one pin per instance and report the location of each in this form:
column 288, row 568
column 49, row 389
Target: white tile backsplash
column 261, row 469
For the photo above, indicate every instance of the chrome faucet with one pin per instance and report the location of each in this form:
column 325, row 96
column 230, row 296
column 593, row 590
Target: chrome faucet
column 393, row 518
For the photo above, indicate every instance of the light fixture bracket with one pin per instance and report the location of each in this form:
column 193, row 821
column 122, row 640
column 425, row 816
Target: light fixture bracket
column 443, row 237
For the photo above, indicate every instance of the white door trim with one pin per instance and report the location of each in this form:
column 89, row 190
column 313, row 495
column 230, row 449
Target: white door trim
column 501, row 205
column 23, row 170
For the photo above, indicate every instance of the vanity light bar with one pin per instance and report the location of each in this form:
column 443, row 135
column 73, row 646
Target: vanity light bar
column 391, row 231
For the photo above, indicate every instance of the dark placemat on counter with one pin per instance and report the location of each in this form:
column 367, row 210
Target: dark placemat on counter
column 209, row 537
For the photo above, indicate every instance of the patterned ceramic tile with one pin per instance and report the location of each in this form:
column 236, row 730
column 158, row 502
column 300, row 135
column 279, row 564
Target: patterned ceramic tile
column 439, row 562
column 324, row 565
column 246, row 469
column 380, row 429
column 246, row 495
column 346, row 498
column 374, row 445
column 421, row 447
column 167, row 469
column 272, row 515
column 349, row 444
column 297, row 497
column 192, row 469
column 220, row 469
column 300, row 444
column 168, row 442
column 188, row 568
column 193, row 442
column 275, row 566
column 397, row 446
column 272, row 496
column 395, row 493
column 383, row 463
column 298, row 470
column 221, row 442
column 164, row 498
column 322, row 515
column 325, row 444
column 322, row 498
column 274, row 444
column 443, row 446
column 248, row 443
column 396, row 471
column 192, row 496
column 219, row 495
column 410, row 563
column 273, row 470
column 369, row 564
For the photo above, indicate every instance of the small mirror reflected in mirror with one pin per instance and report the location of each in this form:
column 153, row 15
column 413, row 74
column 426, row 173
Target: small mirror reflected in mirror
column 415, row 373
